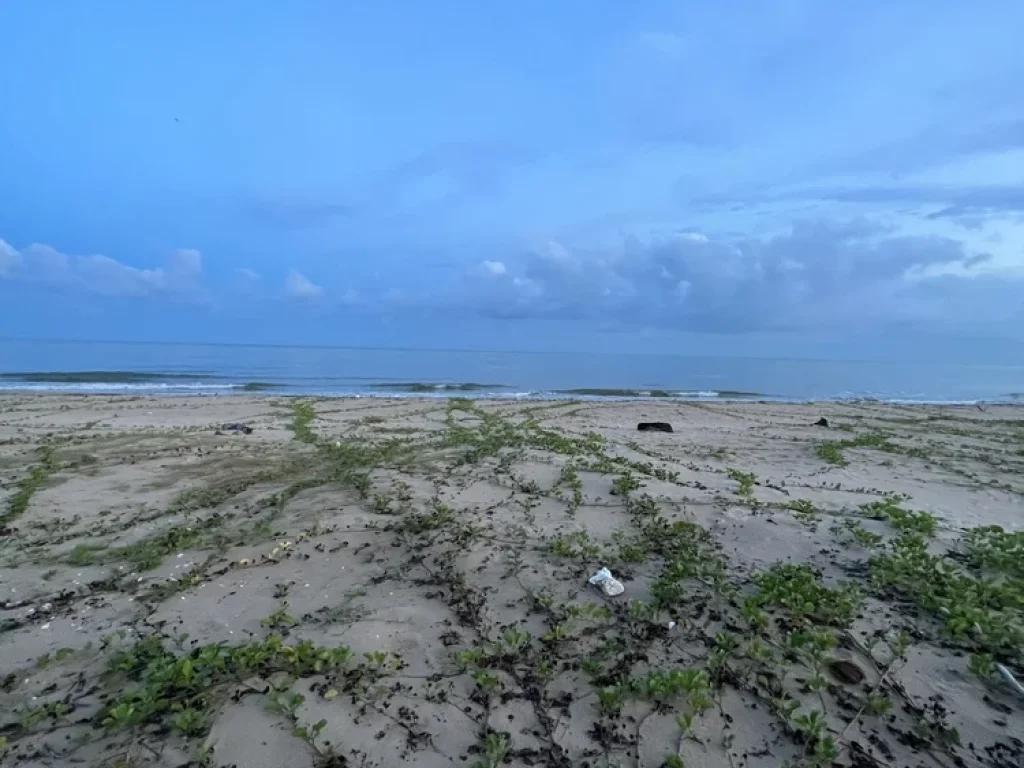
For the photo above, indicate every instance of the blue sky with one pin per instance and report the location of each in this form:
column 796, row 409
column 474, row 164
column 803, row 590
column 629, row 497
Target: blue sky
column 796, row 178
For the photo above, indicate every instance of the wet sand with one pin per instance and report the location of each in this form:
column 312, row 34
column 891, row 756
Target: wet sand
column 384, row 582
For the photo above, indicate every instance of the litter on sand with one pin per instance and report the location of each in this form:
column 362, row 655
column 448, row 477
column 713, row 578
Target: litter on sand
column 235, row 429
column 608, row 583
column 1008, row 677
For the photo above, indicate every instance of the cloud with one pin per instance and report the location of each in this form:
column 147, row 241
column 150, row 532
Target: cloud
column 437, row 177
column 298, row 286
column 969, row 205
column 185, row 261
column 108, row 276
column 248, row 275
column 102, row 275
column 476, row 167
column 496, row 268
column 10, row 259
column 803, row 92
column 956, row 200
column 248, row 283
column 814, row 276
column 296, row 214
column 942, row 142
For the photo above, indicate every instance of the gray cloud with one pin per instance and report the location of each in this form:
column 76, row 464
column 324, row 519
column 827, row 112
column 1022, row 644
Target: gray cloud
column 970, row 204
column 439, row 175
column 958, row 199
column 818, row 275
column 939, row 143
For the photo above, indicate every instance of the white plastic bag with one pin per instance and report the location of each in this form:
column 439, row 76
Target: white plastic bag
column 608, row 583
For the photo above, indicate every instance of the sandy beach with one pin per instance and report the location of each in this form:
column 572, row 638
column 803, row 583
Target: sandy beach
column 385, row 582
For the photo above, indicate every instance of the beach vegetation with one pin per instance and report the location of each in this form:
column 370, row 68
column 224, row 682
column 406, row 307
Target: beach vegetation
column 855, row 530
column 624, row 484
column 907, row 521
column 694, row 627
column 382, row 504
column 801, row 591
column 610, row 698
column 439, row 516
column 303, row 416
column 981, row 610
column 149, row 553
column 746, row 481
column 495, row 749
column 570, row 477
column 279, row 619
column 83, row 554
column 224, row 489
column 159, row 686
column 831, row 451
column 990, row 547
column 27, row 487
column 804, row 511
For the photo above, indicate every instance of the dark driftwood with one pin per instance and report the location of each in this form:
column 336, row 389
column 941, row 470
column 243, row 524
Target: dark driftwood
column 235, row 429
column 654, row 426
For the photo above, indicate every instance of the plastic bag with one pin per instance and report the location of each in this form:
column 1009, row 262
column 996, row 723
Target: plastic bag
column 608, row 583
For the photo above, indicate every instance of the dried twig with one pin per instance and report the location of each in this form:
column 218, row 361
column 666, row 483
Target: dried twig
column 864, row 706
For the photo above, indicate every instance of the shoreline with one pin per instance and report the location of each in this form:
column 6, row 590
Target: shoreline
column 444, row 392
column 203, row 381
column 396, row 580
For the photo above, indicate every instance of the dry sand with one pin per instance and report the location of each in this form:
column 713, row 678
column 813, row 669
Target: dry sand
column 145, row 560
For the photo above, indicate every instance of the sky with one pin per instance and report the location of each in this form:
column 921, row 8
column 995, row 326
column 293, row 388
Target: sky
column 800, row 178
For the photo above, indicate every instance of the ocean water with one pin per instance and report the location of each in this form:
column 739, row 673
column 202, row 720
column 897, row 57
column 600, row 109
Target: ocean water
column 225, row 369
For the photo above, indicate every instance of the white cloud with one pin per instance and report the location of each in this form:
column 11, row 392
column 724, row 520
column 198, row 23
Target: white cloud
column 665, row 44
column 10, row 259
column 493, row 267
column 44, row 263
column 110, row 277
column 526, row 287
column 553, row 250
column 99, row 274
column 692, row 237
column 248, row 282
column 298, row 286
column 186, row 261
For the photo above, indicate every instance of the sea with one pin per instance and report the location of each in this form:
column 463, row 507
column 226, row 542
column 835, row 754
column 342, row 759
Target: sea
column 220, row 369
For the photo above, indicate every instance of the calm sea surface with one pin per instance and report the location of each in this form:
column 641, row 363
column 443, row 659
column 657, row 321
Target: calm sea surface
column 199, row 368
